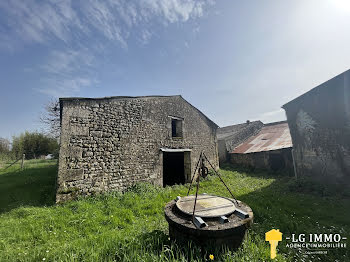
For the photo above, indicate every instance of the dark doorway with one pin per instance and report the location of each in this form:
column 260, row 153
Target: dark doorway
column 173, row 168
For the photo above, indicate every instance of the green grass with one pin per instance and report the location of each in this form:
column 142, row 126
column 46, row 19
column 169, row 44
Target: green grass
column 32, row 186
column 131, row 226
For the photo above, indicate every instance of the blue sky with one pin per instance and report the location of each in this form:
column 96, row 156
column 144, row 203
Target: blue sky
column 234, row 60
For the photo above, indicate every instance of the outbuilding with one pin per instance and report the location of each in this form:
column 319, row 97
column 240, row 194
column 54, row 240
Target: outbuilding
column 112, row 142
column 269, row 149
column 229, row 137
column 319, row 123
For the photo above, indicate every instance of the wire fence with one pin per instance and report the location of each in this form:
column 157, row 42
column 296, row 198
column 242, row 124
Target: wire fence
column 22, row 163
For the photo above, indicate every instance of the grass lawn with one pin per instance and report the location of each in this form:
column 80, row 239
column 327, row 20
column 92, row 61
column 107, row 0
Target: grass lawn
column 32, row 186
column 132, row 227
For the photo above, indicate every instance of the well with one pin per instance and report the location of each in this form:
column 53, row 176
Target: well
column 208, row 219
column 217, row 230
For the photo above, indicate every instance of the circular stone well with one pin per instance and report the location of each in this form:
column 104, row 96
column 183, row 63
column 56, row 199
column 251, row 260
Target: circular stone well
column 210, row 209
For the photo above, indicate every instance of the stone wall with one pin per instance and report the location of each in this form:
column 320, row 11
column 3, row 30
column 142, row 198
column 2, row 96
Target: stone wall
column 222, row 150
column 276, row 160
column 233, row 136
column 319, row 123
column 111, row 143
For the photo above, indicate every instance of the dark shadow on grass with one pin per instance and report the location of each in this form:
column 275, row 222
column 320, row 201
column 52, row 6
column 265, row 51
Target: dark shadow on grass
column 256, row 172
column 296, row 207
column 30, row 187
column 301, row 185
column 310, row 211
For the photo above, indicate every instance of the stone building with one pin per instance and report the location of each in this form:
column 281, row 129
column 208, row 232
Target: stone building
column 319, row 123
column 110, row 143
column 269, row 149
column 231, row 136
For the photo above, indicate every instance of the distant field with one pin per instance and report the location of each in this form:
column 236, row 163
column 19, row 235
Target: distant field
column 131, row 226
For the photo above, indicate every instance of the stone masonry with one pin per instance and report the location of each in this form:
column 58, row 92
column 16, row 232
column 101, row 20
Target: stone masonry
column 319, row 123
column 230, row 137
column 108, row 144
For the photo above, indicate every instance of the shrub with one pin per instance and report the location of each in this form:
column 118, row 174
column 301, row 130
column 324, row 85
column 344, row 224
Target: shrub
column 34, row 145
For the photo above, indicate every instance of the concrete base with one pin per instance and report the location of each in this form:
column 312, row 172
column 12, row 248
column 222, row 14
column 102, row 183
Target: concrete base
column 230, row 234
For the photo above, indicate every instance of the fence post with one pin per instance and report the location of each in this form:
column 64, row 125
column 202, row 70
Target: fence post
column 23, row 157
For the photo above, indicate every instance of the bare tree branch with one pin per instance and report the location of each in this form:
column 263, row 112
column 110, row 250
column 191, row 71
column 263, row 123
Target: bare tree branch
column 51, row 119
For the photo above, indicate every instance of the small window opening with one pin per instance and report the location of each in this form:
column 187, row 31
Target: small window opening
column 176, row 127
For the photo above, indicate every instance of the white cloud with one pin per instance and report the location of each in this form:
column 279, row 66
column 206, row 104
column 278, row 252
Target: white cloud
column 38, row 22
column 116, row 20
column 58, row 87
column 174, row 10
column 68, row 61
column 66, row 72
column 145, row 36
column 272, row 116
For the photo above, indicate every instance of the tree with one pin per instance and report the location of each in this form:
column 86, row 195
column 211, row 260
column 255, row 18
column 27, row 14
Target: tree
column 51, row 118
column 17, row 146
column 34, row 145
column 4, row 145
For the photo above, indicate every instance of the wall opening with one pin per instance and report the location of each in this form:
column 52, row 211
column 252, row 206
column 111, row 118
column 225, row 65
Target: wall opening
column 176, row 127
column 174, row 168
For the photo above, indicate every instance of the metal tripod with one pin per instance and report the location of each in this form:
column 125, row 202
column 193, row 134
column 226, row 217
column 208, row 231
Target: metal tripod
column 202, row 172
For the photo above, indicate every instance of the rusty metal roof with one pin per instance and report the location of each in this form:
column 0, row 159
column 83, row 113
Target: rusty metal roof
column 227, row 131
column 272, row 136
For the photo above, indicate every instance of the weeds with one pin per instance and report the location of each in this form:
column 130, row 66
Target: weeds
column 130, row 226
